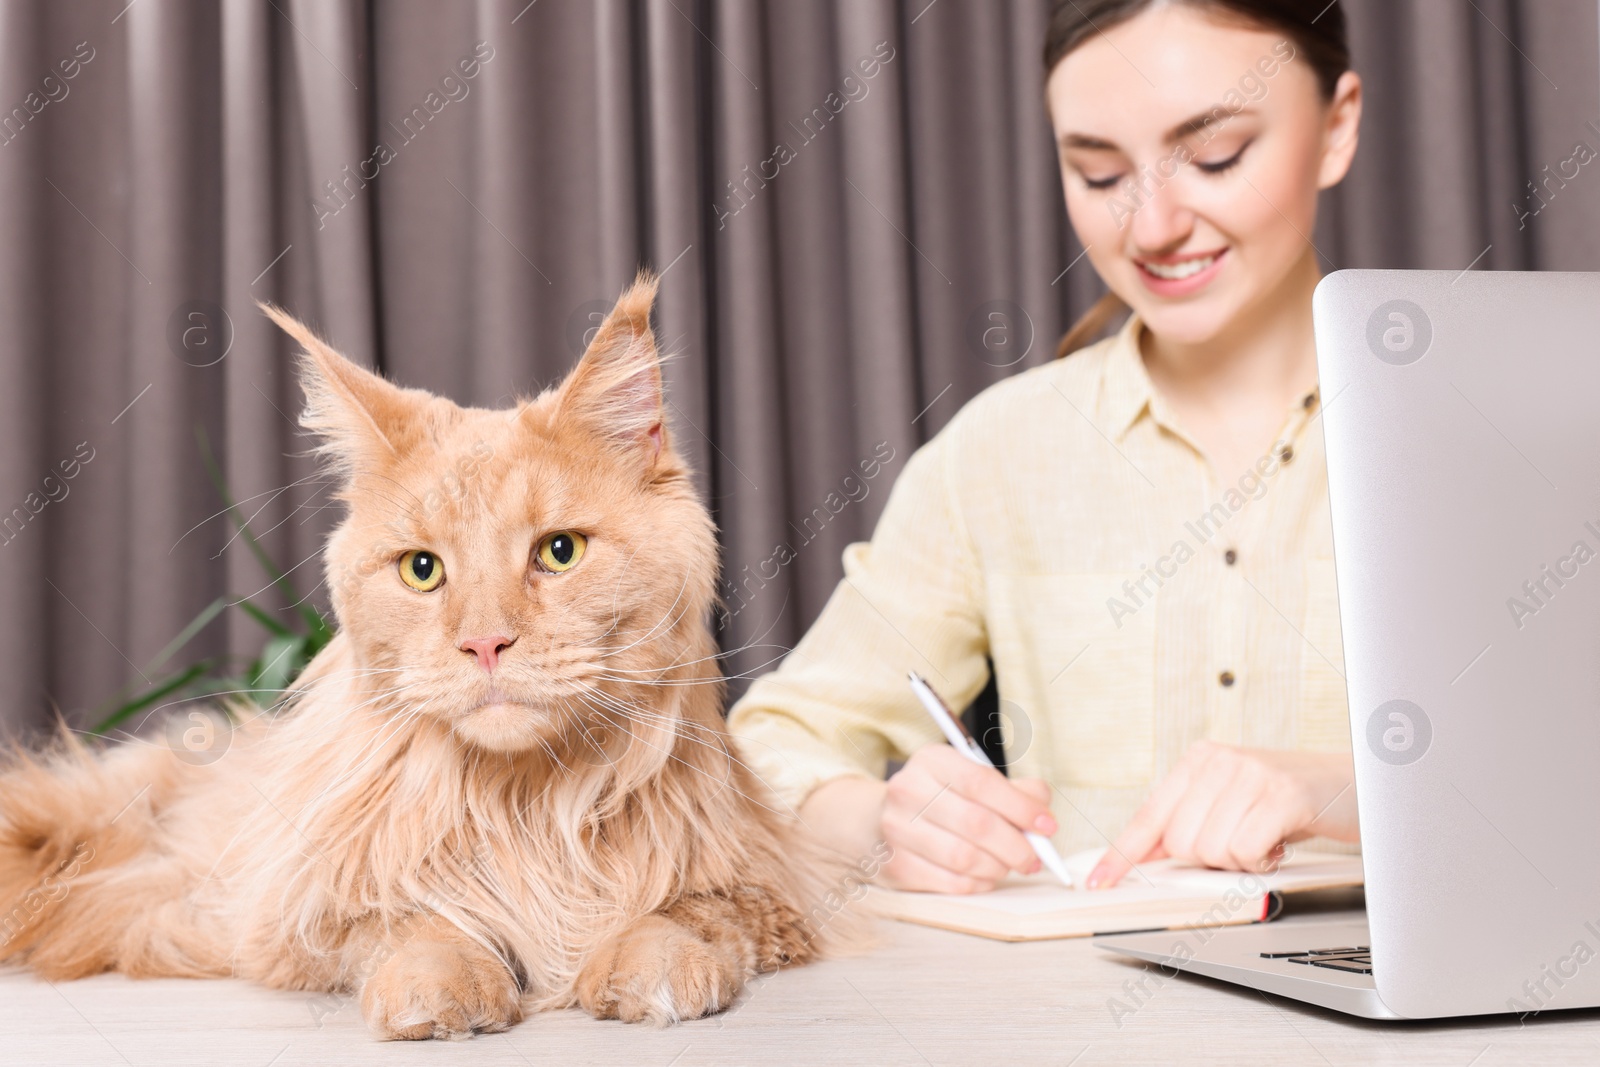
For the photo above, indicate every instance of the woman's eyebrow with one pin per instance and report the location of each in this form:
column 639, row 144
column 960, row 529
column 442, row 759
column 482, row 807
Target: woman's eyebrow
column 1217, row 117
column 1084, row 140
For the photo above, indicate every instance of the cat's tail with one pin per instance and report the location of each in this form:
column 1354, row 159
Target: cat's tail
column 68, row 815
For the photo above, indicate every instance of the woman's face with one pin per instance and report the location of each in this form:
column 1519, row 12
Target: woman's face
column 1192, row 150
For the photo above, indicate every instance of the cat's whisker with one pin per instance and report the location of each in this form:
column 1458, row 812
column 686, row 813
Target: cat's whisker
column 682, row 588
column 286, row 573
column 675, row 727
column 676, row 664
column 583, row 725
column 721, row 746
column 259, row 534
column 636, row 713
column 623, row 673
column 754, row 672
column 319, row 509
column 288, row 697
column 208, row 697
column 616, row 590
column 420, row 503
column 274, row 493
column 307, row 595
column 753, row 643
column 724, row 782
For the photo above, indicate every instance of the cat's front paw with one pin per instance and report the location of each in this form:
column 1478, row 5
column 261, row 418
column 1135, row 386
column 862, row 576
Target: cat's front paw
column 659, row 971
column 440, row 989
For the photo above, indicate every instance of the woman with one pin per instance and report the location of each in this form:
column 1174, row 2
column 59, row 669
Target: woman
column 1137, row 535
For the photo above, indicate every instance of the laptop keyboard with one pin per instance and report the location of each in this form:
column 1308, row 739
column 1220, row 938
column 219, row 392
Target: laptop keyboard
column 1356, row 960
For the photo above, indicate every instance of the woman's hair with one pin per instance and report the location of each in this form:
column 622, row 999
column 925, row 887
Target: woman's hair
column 1316, row 27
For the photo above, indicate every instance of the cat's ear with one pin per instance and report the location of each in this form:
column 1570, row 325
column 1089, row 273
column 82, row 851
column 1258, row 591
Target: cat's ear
column 362, row 419
column 616, row 387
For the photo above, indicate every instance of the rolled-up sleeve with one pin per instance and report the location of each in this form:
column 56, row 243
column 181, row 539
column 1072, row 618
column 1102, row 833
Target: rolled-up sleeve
column 911, row 599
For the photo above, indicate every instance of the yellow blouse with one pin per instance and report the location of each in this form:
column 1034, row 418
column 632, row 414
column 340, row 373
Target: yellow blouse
column 1063, row 525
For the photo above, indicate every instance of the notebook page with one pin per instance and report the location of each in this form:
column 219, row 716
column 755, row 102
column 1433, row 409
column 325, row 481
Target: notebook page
column 1298, row 868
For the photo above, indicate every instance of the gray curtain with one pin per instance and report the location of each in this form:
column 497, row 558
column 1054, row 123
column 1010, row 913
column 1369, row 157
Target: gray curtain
column 831, row 302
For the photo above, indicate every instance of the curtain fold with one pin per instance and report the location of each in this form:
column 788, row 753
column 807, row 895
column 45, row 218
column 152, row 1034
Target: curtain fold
column 855, row 204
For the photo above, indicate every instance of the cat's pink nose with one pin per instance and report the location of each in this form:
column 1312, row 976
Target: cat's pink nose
column 487, row 649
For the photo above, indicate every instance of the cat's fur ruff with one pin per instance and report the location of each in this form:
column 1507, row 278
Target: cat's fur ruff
column 453, row 844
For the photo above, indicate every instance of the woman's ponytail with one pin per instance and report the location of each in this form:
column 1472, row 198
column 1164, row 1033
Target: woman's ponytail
column 1091, row 324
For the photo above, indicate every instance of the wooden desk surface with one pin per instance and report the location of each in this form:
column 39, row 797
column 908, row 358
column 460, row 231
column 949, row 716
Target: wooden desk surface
column 926, row 997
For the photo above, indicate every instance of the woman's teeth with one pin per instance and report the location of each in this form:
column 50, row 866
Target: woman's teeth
column 1178, row 271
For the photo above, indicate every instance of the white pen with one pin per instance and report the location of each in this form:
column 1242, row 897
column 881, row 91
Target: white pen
column 964, row 743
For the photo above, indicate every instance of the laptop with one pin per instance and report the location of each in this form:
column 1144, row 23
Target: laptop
column 1462, row 419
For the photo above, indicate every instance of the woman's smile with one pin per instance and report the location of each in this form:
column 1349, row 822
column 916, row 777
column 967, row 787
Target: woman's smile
column 1180, row 275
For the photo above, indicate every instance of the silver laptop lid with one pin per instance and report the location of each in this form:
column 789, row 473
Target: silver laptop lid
column 1462, row 420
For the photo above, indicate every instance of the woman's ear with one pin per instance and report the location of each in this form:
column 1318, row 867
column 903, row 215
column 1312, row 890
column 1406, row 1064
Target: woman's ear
column 363, row 421
column 1343, row 131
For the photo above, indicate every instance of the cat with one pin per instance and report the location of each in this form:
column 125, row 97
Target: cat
column 503, row 786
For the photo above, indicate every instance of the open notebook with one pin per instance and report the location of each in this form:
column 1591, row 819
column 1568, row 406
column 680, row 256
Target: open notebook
column 1163, row 894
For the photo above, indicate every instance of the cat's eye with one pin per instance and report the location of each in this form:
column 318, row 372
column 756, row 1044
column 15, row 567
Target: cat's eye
column 422, row 571
column 562, row 551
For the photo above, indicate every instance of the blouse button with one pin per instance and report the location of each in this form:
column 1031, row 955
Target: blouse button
column 1311, row 398
column 1230, row 557
column 1287, row 454
column 1226, row 678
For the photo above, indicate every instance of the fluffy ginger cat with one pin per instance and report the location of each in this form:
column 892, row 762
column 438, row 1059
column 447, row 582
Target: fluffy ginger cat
column 503, row 786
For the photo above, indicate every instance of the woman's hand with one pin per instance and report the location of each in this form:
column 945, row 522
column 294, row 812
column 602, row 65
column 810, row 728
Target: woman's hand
column 1234, row 808
column 956, row 826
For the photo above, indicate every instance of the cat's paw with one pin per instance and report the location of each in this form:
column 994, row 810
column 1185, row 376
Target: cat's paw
column 657, row 971
column 440, row 989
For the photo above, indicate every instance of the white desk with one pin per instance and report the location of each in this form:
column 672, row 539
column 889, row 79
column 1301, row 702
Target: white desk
column 925, row 998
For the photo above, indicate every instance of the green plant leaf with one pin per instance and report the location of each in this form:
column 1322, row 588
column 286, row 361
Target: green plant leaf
column 266, row 678
column 118, row 702
column 279, row 578
column 272, row 625
column 280, row 661
column 187, row 634
column 165, row 687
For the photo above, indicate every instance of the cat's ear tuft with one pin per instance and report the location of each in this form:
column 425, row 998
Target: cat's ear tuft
column 616, row 387
column 361, row 419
